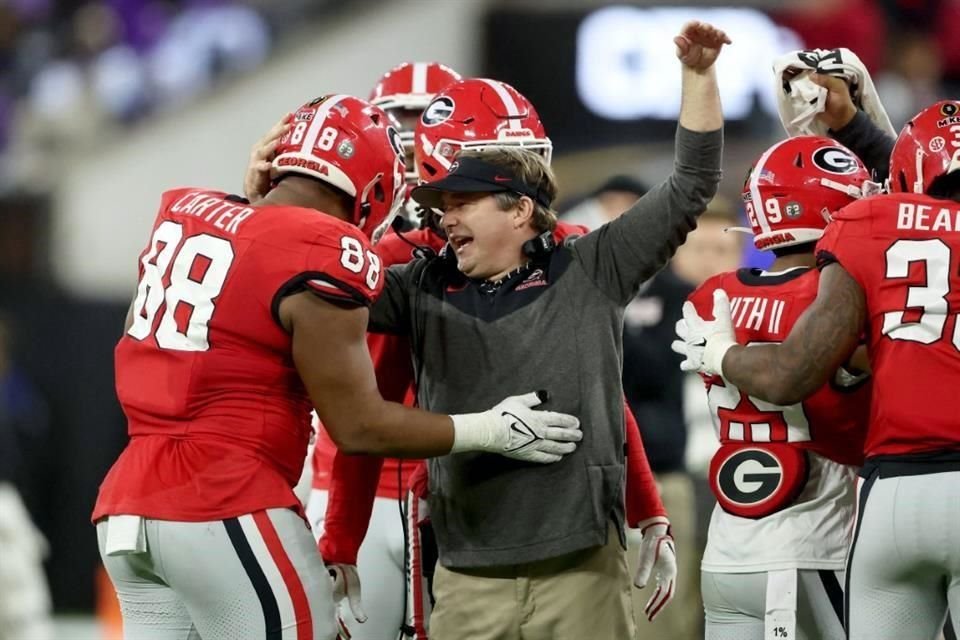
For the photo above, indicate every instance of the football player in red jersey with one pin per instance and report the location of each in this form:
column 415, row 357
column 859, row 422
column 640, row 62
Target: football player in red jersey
column 245, row 316
column 783, row 472
column 889, row 265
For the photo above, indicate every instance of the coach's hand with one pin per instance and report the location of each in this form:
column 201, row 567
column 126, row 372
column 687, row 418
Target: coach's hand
column 699, row 44
column 658, row 558
column 256, row 181
column 516, row 430
column 346, row 584
column 703, row 343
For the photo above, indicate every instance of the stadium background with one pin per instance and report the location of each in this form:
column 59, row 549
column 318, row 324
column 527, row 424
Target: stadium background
column 105, row 103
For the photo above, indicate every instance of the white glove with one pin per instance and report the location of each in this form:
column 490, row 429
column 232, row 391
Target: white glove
column 513, row 429
column 703, row 343
column 658, row 557
column 346, row 584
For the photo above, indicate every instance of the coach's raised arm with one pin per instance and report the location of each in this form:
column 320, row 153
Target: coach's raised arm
column 623, row 254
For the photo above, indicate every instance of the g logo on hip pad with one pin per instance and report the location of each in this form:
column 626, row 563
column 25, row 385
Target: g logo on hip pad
column 753, row 480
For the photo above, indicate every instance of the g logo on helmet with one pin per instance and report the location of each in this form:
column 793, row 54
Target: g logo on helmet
column 754, row 480
column 394, row 137
column 835, row 160
column 440, row 110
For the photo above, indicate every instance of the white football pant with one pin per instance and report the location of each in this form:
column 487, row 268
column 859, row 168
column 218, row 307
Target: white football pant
column 256, row 576
column 904, row 566
column 735, row 605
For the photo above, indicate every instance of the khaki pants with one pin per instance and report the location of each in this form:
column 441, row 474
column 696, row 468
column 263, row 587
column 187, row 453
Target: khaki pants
column 681, row 619
column 578, row 596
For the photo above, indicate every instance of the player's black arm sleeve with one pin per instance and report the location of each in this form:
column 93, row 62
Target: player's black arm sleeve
column 869, row 142
column 390, row 313
column 623, row 254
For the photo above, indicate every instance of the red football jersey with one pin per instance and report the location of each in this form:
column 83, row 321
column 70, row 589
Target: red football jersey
column 832, row 422
column 904, row 251
column 217, row 415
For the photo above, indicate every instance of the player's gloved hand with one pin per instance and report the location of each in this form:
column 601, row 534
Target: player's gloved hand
column 346, row 584
column 515, row 430
column 658, row 558
column 703, row 343
column 256, row 181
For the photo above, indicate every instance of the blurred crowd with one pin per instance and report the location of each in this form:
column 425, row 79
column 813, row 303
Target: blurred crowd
column 72, row 67
column 909, row 46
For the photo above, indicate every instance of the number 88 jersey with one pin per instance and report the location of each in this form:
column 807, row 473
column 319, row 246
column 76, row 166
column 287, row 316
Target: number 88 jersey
column 205, row 374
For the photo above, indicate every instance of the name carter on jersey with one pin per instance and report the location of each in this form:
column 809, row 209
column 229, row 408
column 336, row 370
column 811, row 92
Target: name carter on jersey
column 196, row 203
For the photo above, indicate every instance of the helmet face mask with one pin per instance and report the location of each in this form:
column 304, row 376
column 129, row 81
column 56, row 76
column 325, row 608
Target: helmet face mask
column 795, row 186
column 477, row 113
column 927, row 148
column 350, row 145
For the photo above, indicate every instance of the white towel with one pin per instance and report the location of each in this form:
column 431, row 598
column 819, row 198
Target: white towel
column 799, row 99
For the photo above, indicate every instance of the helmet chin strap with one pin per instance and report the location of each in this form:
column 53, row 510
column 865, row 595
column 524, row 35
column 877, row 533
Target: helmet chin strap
column 362, row 206
column 918, row 183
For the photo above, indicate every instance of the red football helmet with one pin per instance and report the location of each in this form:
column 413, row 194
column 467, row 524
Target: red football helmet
column 404, row 92
column 928, row 147
column 473, row 114
column 351, row 145
column 796, row 185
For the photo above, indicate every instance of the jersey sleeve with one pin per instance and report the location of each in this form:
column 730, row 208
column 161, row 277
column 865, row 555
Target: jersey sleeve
column 619, row 256
column 341, row 266
column 643, row 498
column 353, row 488
column 843, row 240
column 702, row 296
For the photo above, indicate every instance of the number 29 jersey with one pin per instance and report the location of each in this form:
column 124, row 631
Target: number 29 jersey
column 830, row 425
column 218, row 417
column 904, row 251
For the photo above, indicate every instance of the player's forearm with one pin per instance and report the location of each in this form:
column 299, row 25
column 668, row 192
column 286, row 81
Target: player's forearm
column 389, row 429
column 700, row 108
column 772, row 373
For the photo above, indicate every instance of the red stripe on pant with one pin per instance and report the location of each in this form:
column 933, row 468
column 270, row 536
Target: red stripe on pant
column 417, row 617
column 298, row 596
